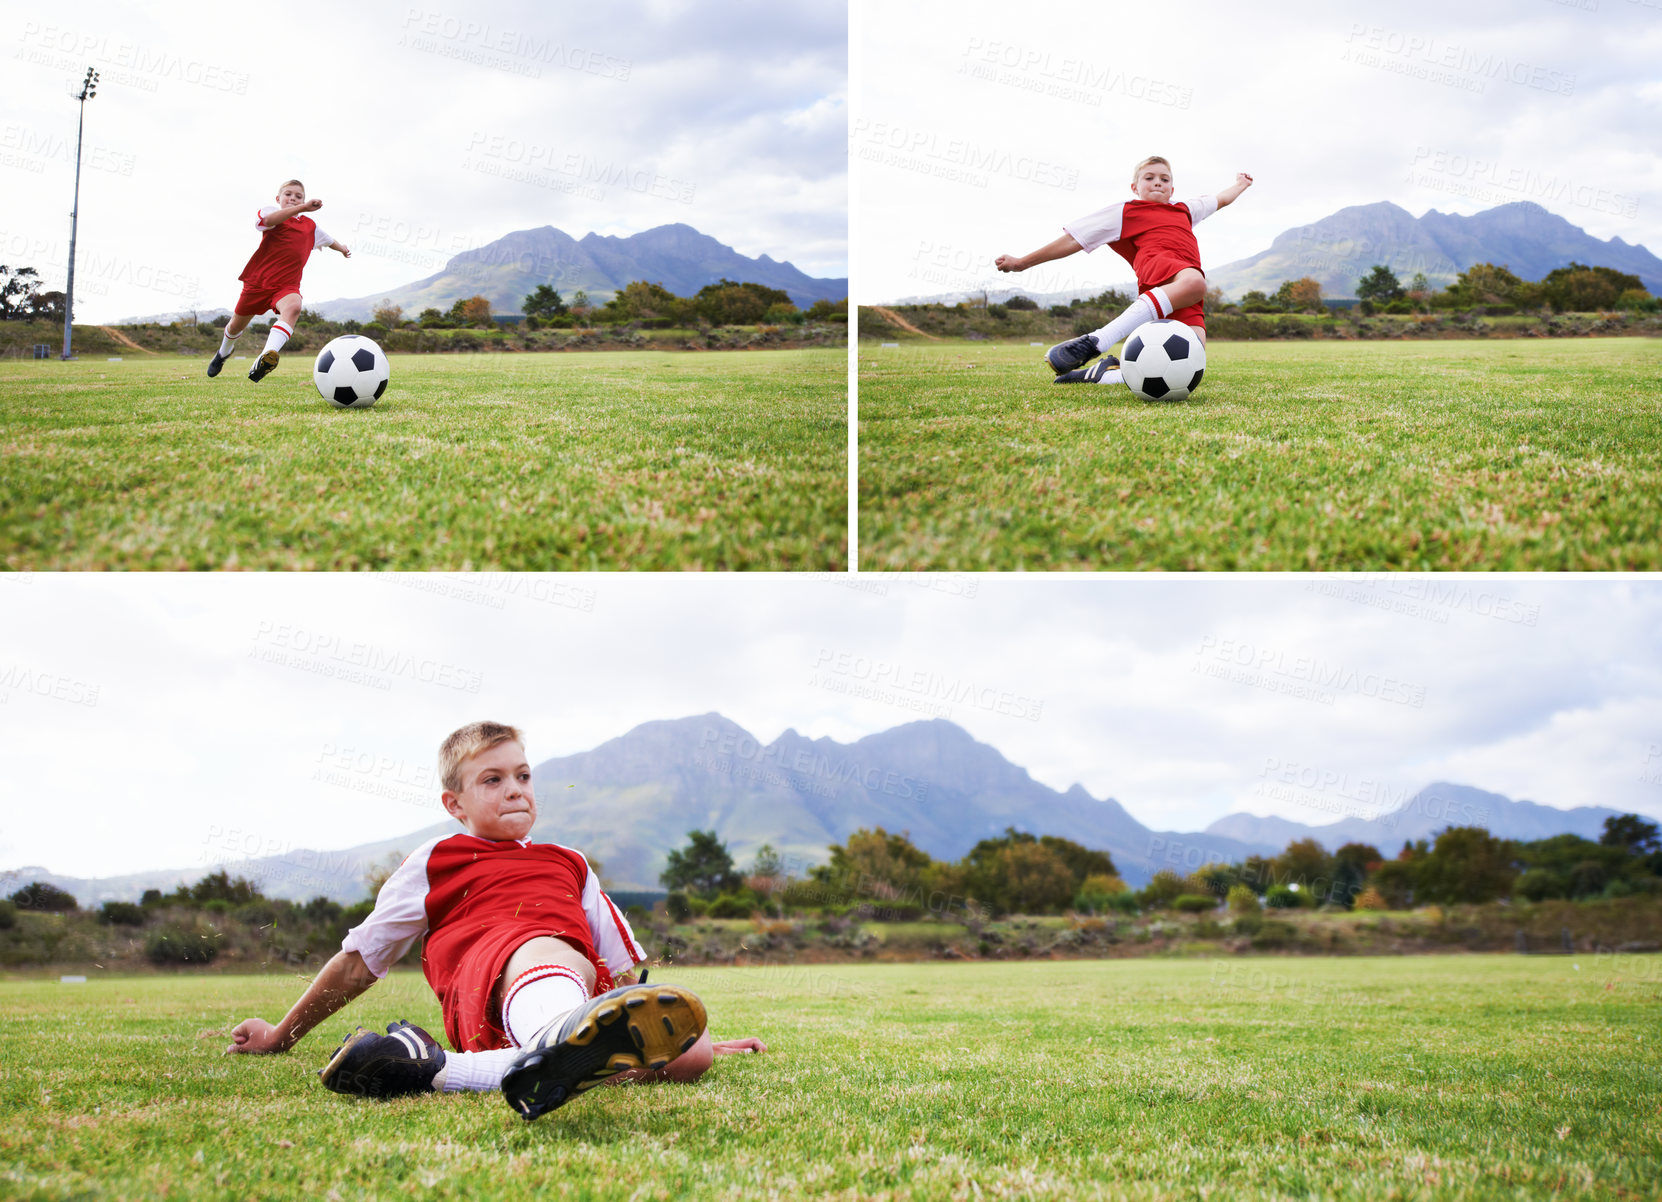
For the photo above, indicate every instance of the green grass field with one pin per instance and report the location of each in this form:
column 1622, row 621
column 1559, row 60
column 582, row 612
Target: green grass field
column 1353, row 456
column 473, row 462
column 1434, row 1077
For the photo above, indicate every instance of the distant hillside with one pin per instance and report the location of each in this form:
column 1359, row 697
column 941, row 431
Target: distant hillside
column 676, row 256
column 1434, row 807
column 629, row 801
column 1339, row 249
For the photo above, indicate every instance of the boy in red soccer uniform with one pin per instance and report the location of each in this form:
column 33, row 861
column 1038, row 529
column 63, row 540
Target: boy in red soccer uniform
column 271, row 280
column 531, row 961
column 1157, row 238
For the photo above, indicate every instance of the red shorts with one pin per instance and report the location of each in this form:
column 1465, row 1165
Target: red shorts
column 472, row 1016
column 1155, row 268
column 256, row 300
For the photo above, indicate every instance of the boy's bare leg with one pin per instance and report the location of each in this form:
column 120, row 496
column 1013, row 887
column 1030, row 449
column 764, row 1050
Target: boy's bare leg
column 288, row 311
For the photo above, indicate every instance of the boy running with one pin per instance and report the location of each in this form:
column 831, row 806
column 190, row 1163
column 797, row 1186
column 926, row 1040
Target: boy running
column 1157, row 238
column 271, row 280
column 531, row 961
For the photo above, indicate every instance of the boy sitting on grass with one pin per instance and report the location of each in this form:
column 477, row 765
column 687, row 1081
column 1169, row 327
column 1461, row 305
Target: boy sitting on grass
column 522, row 947
column 271, row 279
column 1157, row 238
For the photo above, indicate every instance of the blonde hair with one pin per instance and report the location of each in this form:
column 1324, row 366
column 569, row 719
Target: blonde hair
column 302, row 186
column 469, row 741
column 1137, row 171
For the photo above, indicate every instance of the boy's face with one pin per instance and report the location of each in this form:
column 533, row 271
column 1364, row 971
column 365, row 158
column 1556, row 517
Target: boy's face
column 291, row 194
column 495, row 801
column 1153, row 182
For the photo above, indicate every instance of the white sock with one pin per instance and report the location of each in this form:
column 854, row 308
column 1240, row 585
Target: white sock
column 475, row 1070
column 539, row 996
column 279, row 335
column 1112, row 376
column 227, row 344
column 1150, row 306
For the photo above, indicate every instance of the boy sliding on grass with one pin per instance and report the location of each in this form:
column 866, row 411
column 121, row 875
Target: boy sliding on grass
column 271, row 280
column 1157, row 238
column 522, row 947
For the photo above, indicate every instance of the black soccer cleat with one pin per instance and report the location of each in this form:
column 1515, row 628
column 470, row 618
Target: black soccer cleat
column 1065, row 356
column 214, row 364
column 1094, row 373
column 638, row 1026
column 263, row 366
column 403, row 1061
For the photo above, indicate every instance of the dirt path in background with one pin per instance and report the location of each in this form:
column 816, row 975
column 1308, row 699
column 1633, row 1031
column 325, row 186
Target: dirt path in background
column 124, row 340
column 890, row 315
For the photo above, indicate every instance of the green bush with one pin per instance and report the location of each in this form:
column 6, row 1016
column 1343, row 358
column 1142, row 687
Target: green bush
column 178, row 944
column 43, row 898
column 998, row 312
column 1194, row 903
column 1242, row 900
column 8, row 914
column 260, row 913
column 122, row 914
column 678, row 906
column 375, row 330
column 732, row 905
column 1284, row 897
column 1021, row 302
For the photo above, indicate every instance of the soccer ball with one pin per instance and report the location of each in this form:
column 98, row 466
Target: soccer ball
column 351, row 372
column 1163, row 361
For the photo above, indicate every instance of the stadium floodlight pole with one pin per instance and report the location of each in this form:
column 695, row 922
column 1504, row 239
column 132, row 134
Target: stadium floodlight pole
column 89, row 89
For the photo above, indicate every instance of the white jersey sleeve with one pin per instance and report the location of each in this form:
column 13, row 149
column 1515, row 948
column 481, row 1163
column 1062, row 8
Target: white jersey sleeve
column 324, row 239
column 612, row 937
column 1099, row 228
column 399, row 917
column 1200, row 208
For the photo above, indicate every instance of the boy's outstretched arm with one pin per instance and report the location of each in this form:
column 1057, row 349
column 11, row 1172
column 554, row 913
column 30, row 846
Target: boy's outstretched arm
column 342, row 247
column 1243, row 181
column 273, row 220
column 1064, row 246
column 342, row 979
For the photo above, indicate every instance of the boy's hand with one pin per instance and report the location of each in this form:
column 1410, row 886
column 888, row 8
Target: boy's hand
column 1243, row 180
column 1009, row 263
column 730, row 1047
column 343, row 248
column 255, row 1036
column 313, row 206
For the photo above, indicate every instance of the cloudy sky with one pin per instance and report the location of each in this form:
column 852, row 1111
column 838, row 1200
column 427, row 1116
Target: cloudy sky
column 144, row 720
column 981, row 127
column 425, row 129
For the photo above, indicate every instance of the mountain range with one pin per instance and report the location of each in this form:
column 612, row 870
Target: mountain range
column 506, row 270
column 629, row 801
column 1340, row 249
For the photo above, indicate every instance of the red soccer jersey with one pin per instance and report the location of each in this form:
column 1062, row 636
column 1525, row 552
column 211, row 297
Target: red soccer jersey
column 283, row 251
column 1147, row 232
column 462, row 891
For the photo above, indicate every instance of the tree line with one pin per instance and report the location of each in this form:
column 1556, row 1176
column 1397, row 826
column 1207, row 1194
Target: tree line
column 1022, row 873
column 21, row 298
column 1495, row 289
column 640, row 303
